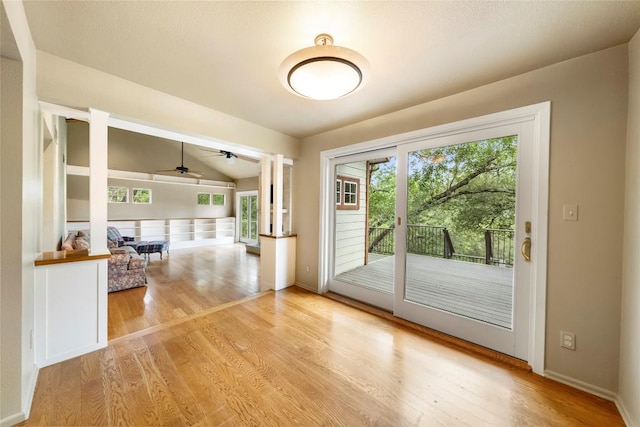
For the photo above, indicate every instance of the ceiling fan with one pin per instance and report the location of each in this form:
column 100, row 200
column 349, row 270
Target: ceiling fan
column 229, row 156
column 182, row 169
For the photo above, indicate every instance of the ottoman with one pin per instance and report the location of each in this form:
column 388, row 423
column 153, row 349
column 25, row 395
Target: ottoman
column 146, row 248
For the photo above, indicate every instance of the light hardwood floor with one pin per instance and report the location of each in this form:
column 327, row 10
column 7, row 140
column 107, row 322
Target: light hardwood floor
column 297, row 358
column 186, row 282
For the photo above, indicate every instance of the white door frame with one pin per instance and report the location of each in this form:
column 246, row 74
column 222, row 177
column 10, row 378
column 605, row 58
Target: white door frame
column 239, row 194
column 540, row 116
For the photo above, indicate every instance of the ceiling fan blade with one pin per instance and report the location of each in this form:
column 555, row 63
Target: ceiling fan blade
column 194, row 174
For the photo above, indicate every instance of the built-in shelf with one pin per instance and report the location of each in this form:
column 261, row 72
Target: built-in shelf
column 180, row 232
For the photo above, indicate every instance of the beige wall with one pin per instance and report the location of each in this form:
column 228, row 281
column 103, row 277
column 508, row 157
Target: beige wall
column 68, row 83
column 10, row 245
column 248, row 184
column 21, row 189
column 629, row 378
column 168, row 200
column 588, row 123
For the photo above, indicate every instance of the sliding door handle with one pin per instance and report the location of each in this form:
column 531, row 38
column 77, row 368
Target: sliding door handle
column 525, row 249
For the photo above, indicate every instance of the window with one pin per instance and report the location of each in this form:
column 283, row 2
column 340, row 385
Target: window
column 204, row 198
column 350, row 193
column 141, row 195
column 117, row 194
column 347, row 193
column 218, row 199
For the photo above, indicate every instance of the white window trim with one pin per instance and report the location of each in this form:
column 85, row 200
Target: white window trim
column 203, row 204
column 115, row 201
column 133, row 191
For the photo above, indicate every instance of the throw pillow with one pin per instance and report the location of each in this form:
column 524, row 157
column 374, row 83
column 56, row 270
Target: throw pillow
column 80, row 243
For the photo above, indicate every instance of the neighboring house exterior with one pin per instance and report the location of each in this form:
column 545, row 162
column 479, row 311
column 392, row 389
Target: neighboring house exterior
column 351, row 216
column 593, row 269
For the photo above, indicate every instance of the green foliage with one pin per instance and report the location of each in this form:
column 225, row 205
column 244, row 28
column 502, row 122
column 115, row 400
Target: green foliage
column 117, row 194
column 204, row 198
column 141, row 195
column 382, row 195
column 466, row 188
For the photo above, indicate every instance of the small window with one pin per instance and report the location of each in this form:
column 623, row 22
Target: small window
column 204, row 198
column 350, row 193
column 218, row 199
column 117, row 194
column 349, row 198
column 141, row 195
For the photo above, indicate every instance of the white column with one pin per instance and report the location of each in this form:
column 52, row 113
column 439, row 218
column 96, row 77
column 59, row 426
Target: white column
column 277, row 194
column 98, row 135
column 265, row 199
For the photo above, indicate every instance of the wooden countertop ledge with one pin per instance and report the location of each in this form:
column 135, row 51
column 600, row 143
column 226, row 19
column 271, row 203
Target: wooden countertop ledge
column 61, row 257
column 284, row 236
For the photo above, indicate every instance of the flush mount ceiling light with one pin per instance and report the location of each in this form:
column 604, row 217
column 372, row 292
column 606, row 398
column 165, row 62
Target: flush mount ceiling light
column 324, row 71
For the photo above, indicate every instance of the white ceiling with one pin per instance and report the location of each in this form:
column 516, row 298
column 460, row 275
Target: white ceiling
column 226, row 55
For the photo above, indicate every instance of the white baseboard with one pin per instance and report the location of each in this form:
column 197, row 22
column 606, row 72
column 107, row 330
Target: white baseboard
column 581, row 385
column 12, row 420
column 26, row 406
column 307, row 287
column 626, row 417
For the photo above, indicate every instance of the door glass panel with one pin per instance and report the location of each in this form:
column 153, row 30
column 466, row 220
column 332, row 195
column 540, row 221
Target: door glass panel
column 364, row 224
column 248, row 218
column 253, row 217
column 244, row 218
column 460, row 222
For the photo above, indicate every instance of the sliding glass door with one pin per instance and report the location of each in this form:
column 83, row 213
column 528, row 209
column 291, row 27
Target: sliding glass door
column 462, row 201
column 248, row 217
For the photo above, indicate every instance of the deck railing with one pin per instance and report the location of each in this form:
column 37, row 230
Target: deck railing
column 436, row 241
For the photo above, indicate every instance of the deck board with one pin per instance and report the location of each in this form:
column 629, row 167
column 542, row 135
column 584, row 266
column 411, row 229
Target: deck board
column 477, row 291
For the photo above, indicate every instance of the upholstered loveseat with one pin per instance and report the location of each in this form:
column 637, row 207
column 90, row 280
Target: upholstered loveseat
column 126, row 269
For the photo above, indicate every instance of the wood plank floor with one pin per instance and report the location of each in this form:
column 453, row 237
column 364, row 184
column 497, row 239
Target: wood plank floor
column 478, row 291
column 297, row 358
column 187, row 282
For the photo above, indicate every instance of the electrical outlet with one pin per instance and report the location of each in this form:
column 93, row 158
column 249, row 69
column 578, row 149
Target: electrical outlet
column 568, row 340
column 308, row 269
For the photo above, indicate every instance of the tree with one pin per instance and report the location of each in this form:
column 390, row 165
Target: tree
column 466, row 188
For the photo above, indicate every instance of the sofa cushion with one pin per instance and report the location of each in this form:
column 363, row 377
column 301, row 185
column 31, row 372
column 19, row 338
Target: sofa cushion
column 116, row 259
column 136, row 263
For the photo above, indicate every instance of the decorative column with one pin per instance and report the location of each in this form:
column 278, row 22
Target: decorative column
column 277, row 251
column 98, row 143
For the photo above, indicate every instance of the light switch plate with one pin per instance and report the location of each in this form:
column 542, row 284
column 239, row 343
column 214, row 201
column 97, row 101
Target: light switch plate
column 570, row 212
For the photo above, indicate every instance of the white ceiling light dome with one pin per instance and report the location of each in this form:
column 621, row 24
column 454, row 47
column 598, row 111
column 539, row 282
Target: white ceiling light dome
column 324, row 71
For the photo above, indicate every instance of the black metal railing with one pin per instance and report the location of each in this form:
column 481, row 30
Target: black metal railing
column 426, row 240
column 499, row 247
column 382, row 240
column 436, row 241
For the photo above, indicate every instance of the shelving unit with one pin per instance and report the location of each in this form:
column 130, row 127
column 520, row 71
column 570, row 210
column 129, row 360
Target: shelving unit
column 180, row 232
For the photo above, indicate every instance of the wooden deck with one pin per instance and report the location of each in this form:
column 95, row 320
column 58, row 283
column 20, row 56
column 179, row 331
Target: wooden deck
column 477, row 291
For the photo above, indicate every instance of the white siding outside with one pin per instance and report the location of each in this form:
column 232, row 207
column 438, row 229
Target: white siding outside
column 351, row 225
